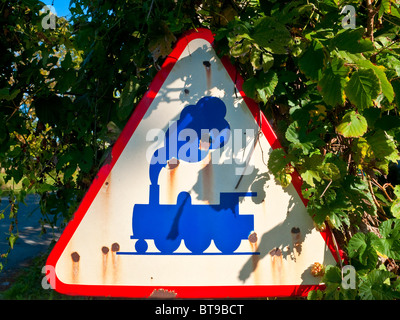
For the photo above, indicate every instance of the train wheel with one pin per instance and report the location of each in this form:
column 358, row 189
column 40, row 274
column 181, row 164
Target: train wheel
column 141, row 246
column 227, row 246
column 167, row 246
column 197, row 246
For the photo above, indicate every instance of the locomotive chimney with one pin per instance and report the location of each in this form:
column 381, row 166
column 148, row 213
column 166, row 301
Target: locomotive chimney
column 154, row 194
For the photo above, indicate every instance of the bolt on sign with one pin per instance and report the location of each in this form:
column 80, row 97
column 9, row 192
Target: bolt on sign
column 186, row 206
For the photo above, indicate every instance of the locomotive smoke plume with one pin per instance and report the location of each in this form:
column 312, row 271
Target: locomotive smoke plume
column 201, row 127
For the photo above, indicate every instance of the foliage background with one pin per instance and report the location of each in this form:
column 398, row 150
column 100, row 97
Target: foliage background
column 331, row 94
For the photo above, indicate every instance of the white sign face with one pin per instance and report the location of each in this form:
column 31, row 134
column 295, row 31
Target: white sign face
column 186, row 206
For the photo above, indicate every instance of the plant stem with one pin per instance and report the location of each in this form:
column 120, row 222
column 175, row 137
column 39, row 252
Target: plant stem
column 380, row 211
column 370, row 22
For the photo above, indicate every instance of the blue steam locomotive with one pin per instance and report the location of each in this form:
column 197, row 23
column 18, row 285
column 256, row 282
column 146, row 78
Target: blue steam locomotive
column 196, row 224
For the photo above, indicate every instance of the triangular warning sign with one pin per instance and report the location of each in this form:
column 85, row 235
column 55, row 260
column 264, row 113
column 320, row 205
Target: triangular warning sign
column 186, row 206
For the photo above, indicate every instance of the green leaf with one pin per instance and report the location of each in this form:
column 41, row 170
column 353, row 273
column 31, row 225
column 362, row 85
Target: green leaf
column 310, row 170
column 262, row 87
column 389, row 244
column 255, row 59
column 315, row 295
column 331, row 205
column 249, row 87
column 390, row 229
column 385, row 7
column 353, row 125
column 333, row 282
column 310, row 175
column 357, row 245
column 332, row 275
column 395, row 208
column 330, row 171
column 312, row 61
column 11, row 239
column 357, row 191
column 391, row 61
column 383, row 146
column 294, row 11
column 261, row 60
column 396, row 191
column 267, row 61
column 4, row 94
column 128, row 95
column 362, row 151
column 364, row 86
column 301, row 139
column 14, row 94
column 333, row 81
column 272, row 35
column 266, row 87
column 240, row 47
column 374, row 286
column 277, row 164
column 361, row 246
column 277, row 161
column 387, row 88
column 352, row 41
column 69, row 171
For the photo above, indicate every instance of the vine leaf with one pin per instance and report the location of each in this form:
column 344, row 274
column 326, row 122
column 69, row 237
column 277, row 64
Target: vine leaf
column 300, row 138
column 362, row 247
column 353, row 125
column 277, row 161
column 375, row 286
column 312, row 61
column 389, row 244
column 363, row 87
column 395, row 208
column 311, row 169
column 352, row 41
column 387, row 88
column 278, row 164
column 383, row 146
column 262, row 87
column 272, row 35
column 333, row 81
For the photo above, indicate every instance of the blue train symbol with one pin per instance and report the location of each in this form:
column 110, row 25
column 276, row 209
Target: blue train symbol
column 197, row 225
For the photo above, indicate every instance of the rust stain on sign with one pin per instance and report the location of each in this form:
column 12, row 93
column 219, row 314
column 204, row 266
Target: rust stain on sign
column 75, row 266
column 264, row 207
column 110, row 270
column 107, row 184
column 255, row 258
column 104, row 251
column 207, row 179
column 115, row 261
column 106, row 199
column 296, row 239
column 172, row 167
column 276, row 263
column 207, row 66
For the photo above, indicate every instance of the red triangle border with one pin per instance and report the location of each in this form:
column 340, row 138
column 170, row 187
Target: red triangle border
column 133, row 122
